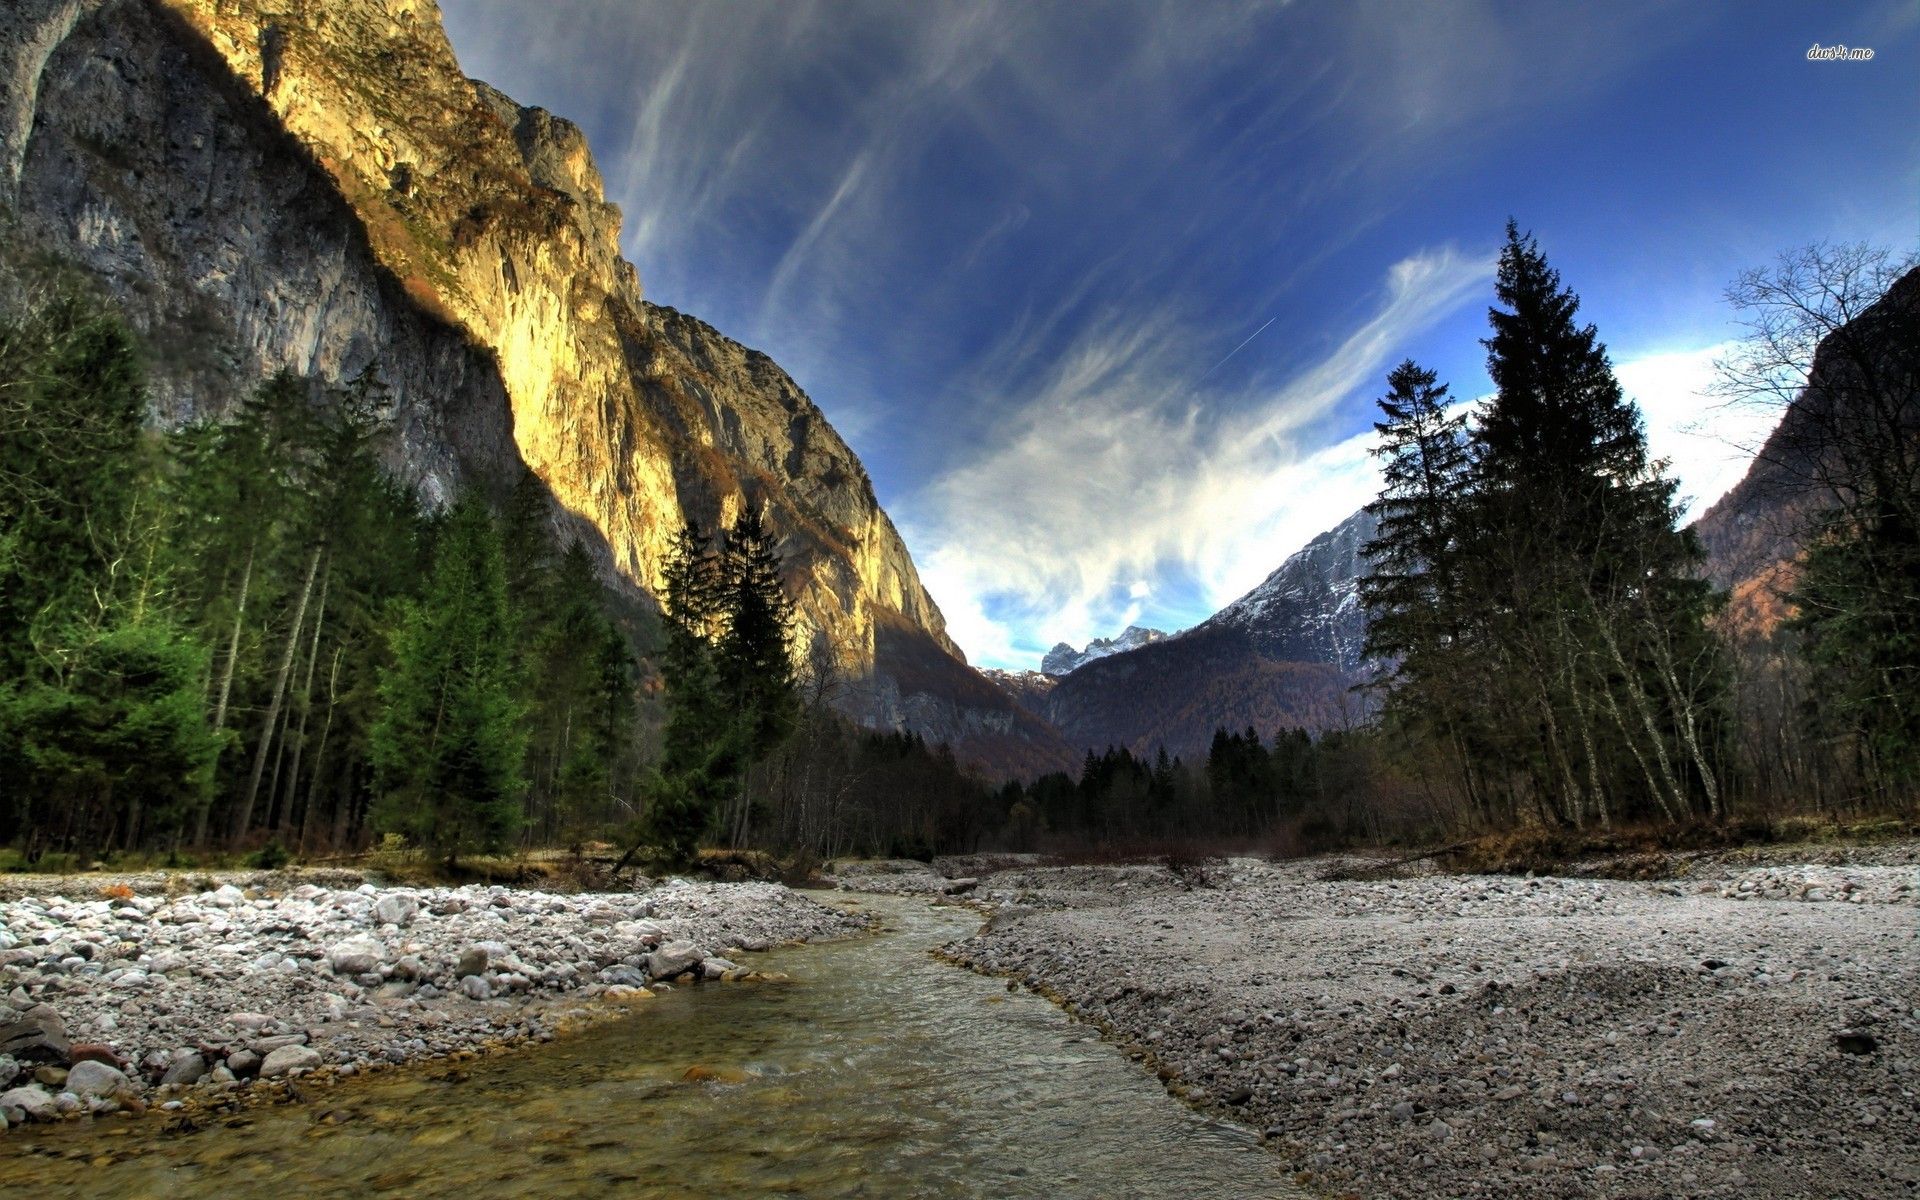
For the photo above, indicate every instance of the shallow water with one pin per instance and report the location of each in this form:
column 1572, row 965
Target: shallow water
column 878, row 1072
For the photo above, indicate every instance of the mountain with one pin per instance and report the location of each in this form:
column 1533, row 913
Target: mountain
column 1285, row 655
column 1752, row 534
column 320, row 188
column 1064, row 659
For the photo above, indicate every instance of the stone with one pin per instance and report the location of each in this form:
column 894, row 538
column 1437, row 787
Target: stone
column 243, row 1063
column 9, row 1070
column 624, row 976
column 714, row 968
column 289, row 1058
column 356, row 956
column 395, row 908
column 473, row 961
column 1856, row 1041
column 674, row 958
column 267, row 1045
column 38, row 1036
column 35, row 1103
column 96, row 1079
column 188, row 1066
column 476, row 987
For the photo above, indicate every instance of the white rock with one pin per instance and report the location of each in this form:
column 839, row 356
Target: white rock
column 356, row 956
column 289, row 1058
column 395, row 908
column 95, row 1079
column 33, row 1100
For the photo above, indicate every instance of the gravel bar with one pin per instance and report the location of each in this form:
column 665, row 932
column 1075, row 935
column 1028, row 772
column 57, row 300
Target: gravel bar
column 1753, row 1033
column 115, row 995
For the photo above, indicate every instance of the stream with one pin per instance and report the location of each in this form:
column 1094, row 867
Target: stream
column 879, row 1071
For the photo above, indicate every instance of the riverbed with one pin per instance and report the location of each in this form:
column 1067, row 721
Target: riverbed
column 877, row 1071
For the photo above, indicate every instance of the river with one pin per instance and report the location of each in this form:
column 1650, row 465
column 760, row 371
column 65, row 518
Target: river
column 879, row 1071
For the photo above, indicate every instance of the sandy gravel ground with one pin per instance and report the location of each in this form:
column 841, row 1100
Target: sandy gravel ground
column 1750, row 1031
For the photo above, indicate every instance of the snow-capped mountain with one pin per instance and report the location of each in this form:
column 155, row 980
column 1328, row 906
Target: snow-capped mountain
column 1285, row 655
column 1064, row 659
column 1309, row 609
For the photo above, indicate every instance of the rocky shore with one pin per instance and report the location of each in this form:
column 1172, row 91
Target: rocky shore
column 115, row 995
column 1743, row 1032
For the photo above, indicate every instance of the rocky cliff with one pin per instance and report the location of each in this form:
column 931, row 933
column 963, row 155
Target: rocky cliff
column 270, row 184
column 1753, row 534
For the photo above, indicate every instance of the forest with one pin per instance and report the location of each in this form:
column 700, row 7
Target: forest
column 248, row 636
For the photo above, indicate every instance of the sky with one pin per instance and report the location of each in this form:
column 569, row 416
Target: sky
column 1103, row 292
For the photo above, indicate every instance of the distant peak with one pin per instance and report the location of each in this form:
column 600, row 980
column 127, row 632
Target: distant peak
column 1063, row 658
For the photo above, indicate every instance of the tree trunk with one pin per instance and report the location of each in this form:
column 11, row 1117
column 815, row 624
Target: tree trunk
column 306, row 706
column 244, row 817
column 226, row 684
column 320, row 752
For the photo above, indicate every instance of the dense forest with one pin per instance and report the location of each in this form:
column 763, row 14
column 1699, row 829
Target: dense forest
column 248, row 636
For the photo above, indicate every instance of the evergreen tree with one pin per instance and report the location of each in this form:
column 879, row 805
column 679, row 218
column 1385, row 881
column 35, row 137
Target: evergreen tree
column 449, row 747
column 99, row 688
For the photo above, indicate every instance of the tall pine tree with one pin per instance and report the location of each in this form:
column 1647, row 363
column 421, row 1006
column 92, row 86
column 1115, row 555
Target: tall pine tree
column 449, row 746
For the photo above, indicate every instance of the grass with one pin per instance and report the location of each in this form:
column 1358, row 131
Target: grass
column 1649, row 851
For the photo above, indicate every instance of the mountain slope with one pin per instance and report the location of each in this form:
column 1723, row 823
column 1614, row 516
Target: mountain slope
column 320, row 188
column 1752, row 534
column 1285, row 655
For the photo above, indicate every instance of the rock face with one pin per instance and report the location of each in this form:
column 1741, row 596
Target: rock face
column 1285, row 655
column 1064, row 659
column 1752, row 534
column 320, row 188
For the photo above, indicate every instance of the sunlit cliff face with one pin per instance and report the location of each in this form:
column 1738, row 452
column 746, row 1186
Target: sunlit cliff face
column 494, row 217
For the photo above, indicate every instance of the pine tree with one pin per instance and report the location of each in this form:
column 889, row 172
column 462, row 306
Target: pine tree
column 1594, row 620
column 1409, row 591
column 100, row 725
column 449, row 747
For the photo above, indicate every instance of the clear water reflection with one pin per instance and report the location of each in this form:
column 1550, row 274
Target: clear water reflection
column 878, row 1072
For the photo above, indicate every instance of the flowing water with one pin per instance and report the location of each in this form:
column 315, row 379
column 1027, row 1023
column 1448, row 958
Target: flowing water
column 878, row 1072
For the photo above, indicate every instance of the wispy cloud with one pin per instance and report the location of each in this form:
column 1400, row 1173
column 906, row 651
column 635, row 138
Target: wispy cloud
column 1115, row 472
column 1015, row 250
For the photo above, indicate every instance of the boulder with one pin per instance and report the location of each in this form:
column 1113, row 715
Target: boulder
column 188, row 1066
column 673, row 958
column 356, row 956
column 34, row 1103
column 38, row 1036
column 289, row 1058
column 714, row 968
column 243, row 1063
column 395, row 908
column 624, row 975
column 96, row 1079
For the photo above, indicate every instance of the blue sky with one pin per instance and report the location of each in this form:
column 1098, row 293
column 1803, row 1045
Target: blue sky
column 1102, row 292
